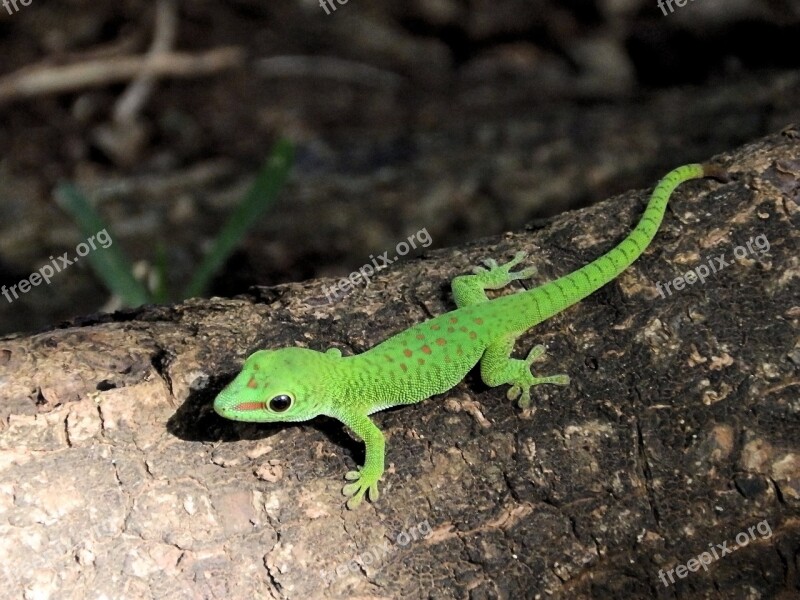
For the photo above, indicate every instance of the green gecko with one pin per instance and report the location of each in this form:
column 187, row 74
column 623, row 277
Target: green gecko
column 297, row 384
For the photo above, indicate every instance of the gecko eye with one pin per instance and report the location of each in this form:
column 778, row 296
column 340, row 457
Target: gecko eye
column 280, row 403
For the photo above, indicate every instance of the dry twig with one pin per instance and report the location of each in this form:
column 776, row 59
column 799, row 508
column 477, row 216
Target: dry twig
column 130, row 103
column 326, row 67
column 39, row 80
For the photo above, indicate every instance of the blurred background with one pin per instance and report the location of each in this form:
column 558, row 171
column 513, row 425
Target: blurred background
column 334, row 131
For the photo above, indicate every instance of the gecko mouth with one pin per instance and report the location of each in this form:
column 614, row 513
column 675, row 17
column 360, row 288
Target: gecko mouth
column 249, row 406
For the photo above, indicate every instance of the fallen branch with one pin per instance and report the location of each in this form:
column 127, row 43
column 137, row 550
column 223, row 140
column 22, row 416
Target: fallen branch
column 677, row 439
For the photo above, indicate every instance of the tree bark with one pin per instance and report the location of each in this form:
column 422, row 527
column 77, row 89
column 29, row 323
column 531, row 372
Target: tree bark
column 676, row 442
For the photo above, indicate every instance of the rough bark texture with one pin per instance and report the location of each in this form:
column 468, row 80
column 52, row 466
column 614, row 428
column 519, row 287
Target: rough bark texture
column 679, row 431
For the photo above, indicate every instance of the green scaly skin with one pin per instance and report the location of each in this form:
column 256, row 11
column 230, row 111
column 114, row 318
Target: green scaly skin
column 297, row 384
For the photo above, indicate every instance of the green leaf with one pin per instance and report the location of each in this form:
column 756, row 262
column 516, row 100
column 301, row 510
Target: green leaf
column 259, row 197
column 161, row 294
column 109, row 263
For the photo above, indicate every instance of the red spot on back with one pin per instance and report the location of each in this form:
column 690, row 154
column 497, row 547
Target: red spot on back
column 252, row 383
column 451, row 329
column 421, row 361
column 404, row 367
column 249, row 406
column 447, row 358
column 478, row 321
column 462, row 328
column 459, row 351
column 435, row 327
column 441, row 341
column 472, row 335
column 426, row 349
column 420, row 336
column 407, row 352
column 453, row 320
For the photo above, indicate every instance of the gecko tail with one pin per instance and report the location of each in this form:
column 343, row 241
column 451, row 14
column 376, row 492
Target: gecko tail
column 575, row 286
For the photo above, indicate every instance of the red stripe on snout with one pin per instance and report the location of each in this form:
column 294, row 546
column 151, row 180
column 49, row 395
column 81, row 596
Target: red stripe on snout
column 249, row 406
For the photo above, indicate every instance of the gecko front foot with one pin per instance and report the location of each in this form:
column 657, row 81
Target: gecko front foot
column 497, row 275
column 521, row 388
column 363, row 482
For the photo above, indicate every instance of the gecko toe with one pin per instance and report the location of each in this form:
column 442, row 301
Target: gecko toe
column 354, row 502
column 350, row 489
column 526, row 273
column 373, row 492
column 561, row 379
column 524, row 399
column 535, row 353
column 518, row 258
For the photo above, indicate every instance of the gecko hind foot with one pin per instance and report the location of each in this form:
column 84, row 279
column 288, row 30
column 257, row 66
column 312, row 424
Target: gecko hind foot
column 521, row 387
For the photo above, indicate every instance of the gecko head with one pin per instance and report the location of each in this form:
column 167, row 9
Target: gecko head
column 277, row 386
